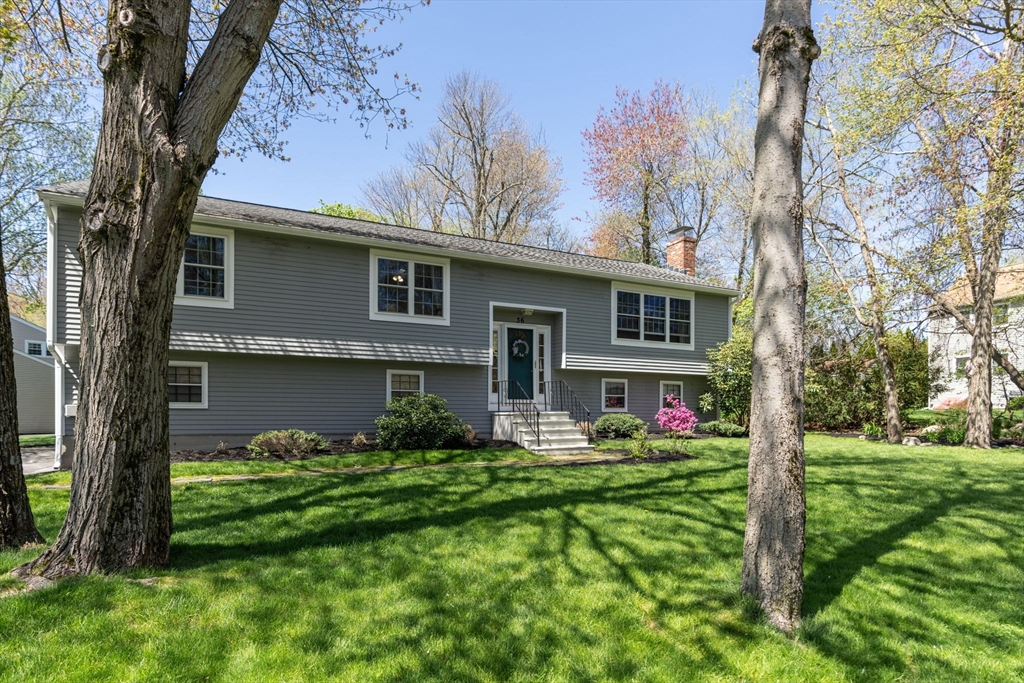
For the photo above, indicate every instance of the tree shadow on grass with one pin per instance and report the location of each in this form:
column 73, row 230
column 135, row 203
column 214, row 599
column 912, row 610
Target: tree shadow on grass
column 188, row 554
column 828, row 579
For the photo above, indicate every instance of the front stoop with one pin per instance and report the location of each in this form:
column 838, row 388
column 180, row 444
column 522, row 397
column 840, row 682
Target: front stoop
column 559, row 433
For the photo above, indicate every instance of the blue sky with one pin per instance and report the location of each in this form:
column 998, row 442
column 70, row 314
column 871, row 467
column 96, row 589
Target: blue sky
column 559, row 62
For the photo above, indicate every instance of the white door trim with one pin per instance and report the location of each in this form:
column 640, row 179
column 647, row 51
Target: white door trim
column 501, row 328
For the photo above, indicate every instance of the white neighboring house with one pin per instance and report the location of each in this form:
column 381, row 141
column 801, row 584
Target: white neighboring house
column 949, row 346
column 34, row 374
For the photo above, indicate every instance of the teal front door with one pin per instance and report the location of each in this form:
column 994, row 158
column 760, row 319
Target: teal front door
column 520, row 363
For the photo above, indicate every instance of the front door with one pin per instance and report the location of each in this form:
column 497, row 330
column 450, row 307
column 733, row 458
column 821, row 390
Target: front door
column 520, row 363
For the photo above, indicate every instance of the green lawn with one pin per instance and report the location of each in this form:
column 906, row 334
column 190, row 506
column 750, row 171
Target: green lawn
column 915, row 570
column 37, row 440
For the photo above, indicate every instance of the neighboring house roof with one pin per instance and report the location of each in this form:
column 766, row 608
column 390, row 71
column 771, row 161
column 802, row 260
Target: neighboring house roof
column 358, row 230
column 1009, row 284
column 30, row 324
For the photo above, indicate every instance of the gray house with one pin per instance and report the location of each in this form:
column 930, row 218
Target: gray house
column 34, row 374
column 286, row 319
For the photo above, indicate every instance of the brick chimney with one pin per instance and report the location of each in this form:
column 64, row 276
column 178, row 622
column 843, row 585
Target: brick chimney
column 681, row 252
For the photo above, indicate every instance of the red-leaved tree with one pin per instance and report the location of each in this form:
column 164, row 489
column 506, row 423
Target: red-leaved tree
column 635, row 151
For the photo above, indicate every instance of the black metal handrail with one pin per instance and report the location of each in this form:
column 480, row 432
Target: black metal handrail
column 521, row 402
column 558, row 395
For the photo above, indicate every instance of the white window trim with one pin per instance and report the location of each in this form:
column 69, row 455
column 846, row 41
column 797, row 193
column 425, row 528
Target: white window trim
column 412, row 259
column 206, row 385
column 673, row 293
column 229, row 273
column 625, row 384
column 387, row 396
column 662, row 392
column 42, row 344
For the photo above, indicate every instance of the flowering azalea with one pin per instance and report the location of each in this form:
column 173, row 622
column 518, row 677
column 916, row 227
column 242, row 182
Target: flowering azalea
column 677, row 418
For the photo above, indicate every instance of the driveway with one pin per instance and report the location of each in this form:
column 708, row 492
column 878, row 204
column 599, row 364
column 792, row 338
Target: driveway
column 37, row 459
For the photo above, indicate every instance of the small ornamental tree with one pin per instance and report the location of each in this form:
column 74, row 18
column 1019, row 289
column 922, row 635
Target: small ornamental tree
column 677, row 418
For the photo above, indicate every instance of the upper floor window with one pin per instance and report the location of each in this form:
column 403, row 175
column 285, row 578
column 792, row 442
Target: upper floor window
column 411, row 289
column 652, row 317
column 206, row 275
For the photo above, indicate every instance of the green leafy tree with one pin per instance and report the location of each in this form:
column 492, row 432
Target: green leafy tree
column 342, row 210
column 729, row 377
column 939, row 84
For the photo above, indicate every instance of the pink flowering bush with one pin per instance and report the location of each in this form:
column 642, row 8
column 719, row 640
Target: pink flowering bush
column 677, row 418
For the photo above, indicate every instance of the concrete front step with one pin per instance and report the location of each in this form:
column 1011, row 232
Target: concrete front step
column 559, row 433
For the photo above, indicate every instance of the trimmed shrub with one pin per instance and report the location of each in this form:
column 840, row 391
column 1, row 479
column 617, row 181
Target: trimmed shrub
column 286, row 442
column 721, row 428
column 618, row 425
column 419, row 421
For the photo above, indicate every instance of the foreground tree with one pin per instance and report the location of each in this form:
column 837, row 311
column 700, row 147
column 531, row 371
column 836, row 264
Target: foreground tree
column 635, row 153
column 44, row 137
column 173, row 76
column 479, row 172
column 773, row 547
column 17, row 526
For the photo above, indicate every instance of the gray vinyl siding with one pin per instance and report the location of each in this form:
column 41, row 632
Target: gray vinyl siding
column 35, row 394
column 251, row 394
column 305, row 288
column 23, row 331
column 642, row 392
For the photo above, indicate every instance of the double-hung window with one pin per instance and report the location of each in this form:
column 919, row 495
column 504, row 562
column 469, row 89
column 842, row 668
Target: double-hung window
column 187, row 384
column 410, row 289
column 614, row 395
column 673, row 389
column 652, row 317
column 206, row 277
column 403, row 383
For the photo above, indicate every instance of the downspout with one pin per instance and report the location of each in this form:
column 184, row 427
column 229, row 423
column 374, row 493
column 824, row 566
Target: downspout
column 57, row 351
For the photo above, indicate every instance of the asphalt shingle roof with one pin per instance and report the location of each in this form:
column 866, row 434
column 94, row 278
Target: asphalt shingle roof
column 292, row 218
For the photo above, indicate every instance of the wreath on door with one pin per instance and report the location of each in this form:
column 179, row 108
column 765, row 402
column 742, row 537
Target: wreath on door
column 520, row 348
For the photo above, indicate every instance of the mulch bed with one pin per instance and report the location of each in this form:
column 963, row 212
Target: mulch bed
column 338, row 447
column 655, row 457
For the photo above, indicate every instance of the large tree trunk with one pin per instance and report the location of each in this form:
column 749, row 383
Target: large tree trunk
column 157, row 142
column 773, row 548
column 17, row 527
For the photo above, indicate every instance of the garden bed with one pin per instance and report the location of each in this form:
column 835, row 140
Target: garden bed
column 335, row 447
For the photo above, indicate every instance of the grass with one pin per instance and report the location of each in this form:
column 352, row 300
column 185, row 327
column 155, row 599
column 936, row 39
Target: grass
column 37, row 440
column 325, row 463
column 914, row 573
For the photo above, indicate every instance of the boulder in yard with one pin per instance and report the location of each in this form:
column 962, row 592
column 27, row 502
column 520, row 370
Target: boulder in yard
column 911, row 441
column 931, row 429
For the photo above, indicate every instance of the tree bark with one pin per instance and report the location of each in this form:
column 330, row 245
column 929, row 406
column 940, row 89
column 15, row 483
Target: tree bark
column 644, row 221
column 157, row 141
column 17, row 526
column 773, row 548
